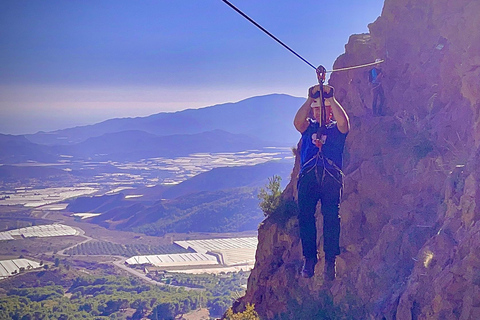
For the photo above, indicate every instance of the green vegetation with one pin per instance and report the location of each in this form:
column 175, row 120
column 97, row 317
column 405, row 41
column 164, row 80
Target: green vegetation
column 95, row 298
column 221, row 289
column 248, row 314
column 128, row 250
column 115, row 297
column 270, row 195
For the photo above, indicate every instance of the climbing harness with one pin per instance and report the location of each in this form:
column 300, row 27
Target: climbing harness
column 321, row 162
column 292, row 51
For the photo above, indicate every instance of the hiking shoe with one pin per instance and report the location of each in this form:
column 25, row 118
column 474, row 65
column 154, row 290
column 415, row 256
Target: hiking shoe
column 308, row 268
column 330, row 270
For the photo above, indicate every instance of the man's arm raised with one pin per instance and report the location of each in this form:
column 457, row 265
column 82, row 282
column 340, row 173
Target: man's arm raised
column 300, row 122
column 343, row 122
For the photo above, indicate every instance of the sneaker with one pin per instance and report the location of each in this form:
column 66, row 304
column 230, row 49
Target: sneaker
column 309, row 268
column 330, row 269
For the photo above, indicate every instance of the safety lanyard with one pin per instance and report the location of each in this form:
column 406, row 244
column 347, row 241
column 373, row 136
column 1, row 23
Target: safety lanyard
column 322, row 130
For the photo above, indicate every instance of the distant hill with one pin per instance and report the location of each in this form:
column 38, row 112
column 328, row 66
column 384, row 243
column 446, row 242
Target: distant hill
column 127, row 146
column 136, row 144
column 220, row 200
column 248, row 124
column 268, row 118
column 15, row 149
column 227, row 210
column 97, row 204
column 231, row 177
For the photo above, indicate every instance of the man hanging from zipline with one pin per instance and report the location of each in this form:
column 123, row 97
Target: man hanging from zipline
column 324, row 126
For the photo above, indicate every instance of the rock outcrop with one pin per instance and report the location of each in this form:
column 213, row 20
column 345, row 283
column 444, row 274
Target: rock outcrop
column 411, row 208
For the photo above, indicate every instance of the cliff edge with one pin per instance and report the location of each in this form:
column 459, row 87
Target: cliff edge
column 411, row 208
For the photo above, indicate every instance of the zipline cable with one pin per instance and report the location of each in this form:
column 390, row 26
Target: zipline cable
column 268, row 33
column 289, row 49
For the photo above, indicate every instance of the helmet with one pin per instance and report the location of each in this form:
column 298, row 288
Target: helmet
column 317, row 103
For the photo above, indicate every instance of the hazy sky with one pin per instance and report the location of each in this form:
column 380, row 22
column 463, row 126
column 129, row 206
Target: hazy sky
column 73, row 62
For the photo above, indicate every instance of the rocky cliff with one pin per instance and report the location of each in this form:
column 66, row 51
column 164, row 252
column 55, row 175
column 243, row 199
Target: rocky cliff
column 411, row 208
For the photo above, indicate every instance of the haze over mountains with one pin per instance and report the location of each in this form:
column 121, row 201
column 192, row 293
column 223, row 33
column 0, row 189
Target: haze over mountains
column 267, row 118
column 248, row 124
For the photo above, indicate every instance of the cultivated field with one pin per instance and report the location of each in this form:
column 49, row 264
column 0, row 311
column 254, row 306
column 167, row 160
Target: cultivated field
column 30, row 207
column 109, row 177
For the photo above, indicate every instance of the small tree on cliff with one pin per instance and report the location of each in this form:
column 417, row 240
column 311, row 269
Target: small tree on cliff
column 270, row 195
column 248, row 314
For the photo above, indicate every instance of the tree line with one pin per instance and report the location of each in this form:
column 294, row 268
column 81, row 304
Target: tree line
column 118, row 297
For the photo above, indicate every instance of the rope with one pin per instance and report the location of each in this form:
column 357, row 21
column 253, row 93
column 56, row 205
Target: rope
column 289, row 49
column 356, row 67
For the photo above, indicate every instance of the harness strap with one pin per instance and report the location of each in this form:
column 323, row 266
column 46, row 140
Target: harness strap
column 323, row 163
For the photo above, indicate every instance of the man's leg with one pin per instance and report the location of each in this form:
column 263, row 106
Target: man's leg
column 308, row 195
column 330, row 199
column 381, row 104
column 374, row 102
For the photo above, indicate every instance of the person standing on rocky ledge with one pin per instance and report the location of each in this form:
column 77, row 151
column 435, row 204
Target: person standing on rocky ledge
column 321, row 176
column 375, row 76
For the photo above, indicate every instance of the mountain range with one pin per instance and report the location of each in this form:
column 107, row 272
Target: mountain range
column 252, row 123
column 268, row 118
column 135, row 145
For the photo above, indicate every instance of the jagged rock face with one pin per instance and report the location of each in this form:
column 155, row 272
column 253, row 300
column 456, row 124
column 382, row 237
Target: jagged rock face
column 410, row 212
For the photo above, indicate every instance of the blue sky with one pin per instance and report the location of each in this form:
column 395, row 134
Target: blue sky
column 67, row 63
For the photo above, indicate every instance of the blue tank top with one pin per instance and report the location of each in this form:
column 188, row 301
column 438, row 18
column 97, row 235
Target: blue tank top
column 374, row 75
column 332, row 149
